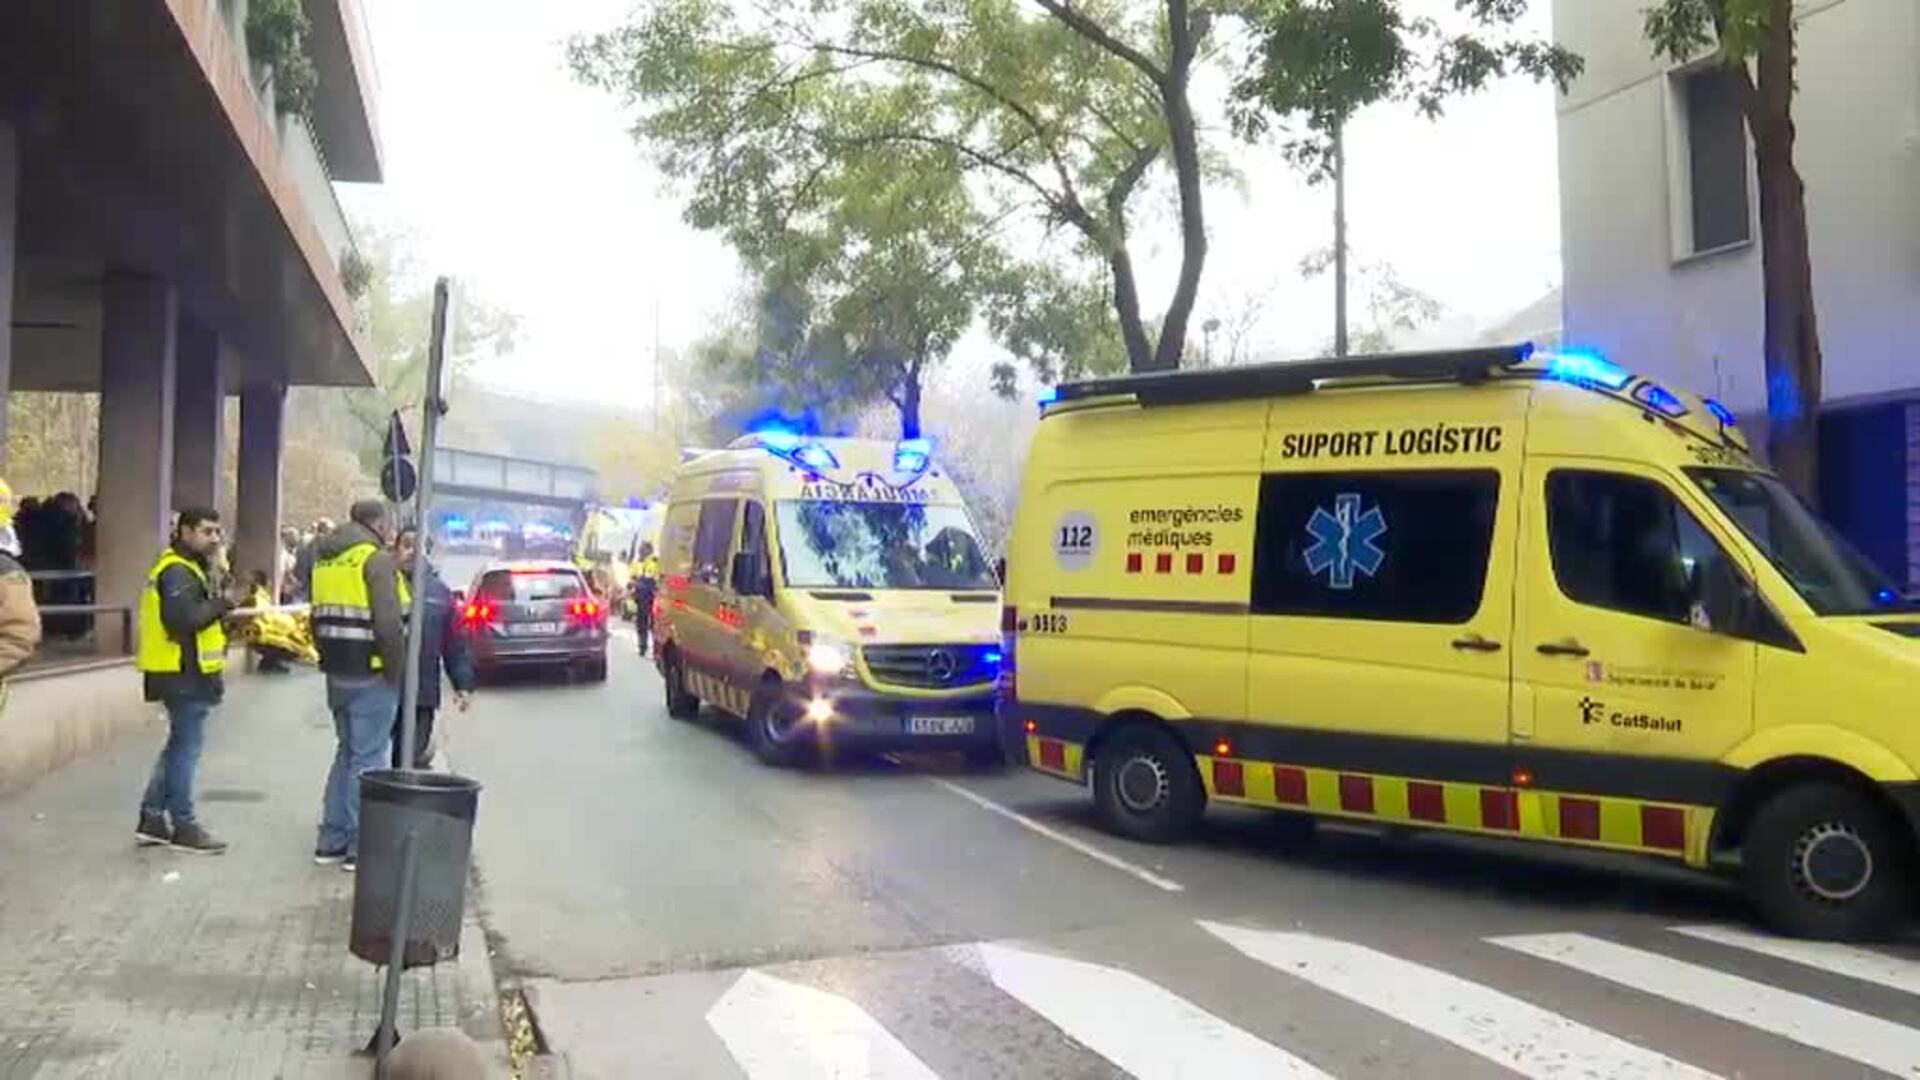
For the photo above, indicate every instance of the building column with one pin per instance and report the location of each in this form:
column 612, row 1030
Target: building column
column 140, row 332
column 9, row 209
column 199, row 417
column 263, row 409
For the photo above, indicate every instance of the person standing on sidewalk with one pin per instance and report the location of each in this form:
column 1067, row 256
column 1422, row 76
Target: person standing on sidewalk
column 357, row 625
column 441, row 646
column 182, row 651
column 19, row 615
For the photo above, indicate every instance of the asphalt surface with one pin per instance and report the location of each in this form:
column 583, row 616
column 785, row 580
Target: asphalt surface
column 676, row 909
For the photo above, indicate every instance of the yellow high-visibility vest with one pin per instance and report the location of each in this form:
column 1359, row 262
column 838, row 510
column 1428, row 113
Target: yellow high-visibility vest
column 159, row 653
column 343, row 612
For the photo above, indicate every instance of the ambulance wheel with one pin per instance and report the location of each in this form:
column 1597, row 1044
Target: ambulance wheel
column 985, row 758
column 681, row 704
column 769, row 726
column 1825, row 861
column 1145, row 785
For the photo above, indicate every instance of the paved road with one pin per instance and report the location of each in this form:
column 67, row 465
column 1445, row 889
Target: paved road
column 678, row 910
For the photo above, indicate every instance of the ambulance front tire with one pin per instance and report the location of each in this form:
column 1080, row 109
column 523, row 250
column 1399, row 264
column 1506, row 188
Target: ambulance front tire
column 681, row 704
column 1825, row 861
column 1145, row 785
column 768, row 726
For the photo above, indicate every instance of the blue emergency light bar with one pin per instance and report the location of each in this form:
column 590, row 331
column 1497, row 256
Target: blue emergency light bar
column 1722, row 413
column 912, row 456
column 1660, row 400
column 816, row 457
column 1590, row 368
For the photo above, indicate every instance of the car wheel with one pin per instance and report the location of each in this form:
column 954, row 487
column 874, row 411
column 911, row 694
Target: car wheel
column 1825, row 861
column 1145, row 785
column 681, row 704
column 597, row 670
column 769, row 727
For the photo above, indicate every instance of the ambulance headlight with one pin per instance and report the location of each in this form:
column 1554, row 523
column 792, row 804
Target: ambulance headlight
column 828, row 657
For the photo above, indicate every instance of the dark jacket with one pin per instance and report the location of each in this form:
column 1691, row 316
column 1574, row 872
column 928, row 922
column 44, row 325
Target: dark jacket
column 187, row 607
column 442, row 645
column 383, row 593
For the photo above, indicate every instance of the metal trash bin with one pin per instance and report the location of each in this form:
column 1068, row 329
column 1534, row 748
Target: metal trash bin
column 439, row 809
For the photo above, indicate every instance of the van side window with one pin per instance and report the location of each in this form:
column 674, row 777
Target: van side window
column 1388, row 546
column 753, row 534
column 1625, row 544
column 712, row 539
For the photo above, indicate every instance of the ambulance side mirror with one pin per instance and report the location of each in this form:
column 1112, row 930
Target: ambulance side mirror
column 1000, row 570
column 749, row 575
column 1727, row 597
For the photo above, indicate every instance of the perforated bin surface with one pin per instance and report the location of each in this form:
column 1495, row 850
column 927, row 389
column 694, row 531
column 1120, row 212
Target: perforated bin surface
column 439, row 809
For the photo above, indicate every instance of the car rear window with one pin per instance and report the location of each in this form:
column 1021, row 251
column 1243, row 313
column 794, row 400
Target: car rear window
column 526, row 587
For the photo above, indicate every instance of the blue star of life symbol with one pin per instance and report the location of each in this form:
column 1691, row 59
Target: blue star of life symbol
column 1344, row 541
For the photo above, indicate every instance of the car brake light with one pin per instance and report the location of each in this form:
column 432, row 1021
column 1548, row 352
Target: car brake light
column 585, row 610
column 479, row 613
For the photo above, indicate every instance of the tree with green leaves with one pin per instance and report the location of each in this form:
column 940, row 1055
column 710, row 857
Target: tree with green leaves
column 1316, row 63
column 1754, row 39
column 1059, row 113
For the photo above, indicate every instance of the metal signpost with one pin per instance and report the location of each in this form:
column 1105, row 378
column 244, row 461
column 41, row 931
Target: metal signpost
column 431, row 409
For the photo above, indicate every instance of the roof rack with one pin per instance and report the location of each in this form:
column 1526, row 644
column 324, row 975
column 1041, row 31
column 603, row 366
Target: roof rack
column 1299, row 376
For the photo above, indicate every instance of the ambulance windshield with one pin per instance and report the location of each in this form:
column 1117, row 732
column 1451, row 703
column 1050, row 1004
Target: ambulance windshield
column 1824, row 569
column 831, row 544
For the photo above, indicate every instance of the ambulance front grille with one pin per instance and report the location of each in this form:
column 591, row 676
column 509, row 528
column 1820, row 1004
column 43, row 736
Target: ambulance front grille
column 932, row 667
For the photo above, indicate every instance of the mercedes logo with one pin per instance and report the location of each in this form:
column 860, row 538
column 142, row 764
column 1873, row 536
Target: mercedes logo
column 941, row 666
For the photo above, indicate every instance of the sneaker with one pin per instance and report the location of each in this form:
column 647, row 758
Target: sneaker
column 153, row 829
column 194, row 837
column 322, row 857
column 350, row 863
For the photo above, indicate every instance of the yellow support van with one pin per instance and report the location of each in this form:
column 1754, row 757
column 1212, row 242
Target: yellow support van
column 833, row 594
column 1480, row 591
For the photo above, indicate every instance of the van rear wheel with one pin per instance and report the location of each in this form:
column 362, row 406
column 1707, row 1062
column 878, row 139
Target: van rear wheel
column 681, row 704
column 1825, row 861
column 1145, row 786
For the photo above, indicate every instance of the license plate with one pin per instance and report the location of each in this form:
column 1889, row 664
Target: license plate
column 939, row 725
column 537, row 629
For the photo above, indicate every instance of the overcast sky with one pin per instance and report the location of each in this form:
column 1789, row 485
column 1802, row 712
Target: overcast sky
column 525, row 185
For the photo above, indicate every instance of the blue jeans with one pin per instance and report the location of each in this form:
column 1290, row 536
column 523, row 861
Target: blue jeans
column 171, row 787
column 363, row 729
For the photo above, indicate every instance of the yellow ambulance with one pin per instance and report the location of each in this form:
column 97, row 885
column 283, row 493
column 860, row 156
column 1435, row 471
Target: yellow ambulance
column 1480, row 591
column 833, row 594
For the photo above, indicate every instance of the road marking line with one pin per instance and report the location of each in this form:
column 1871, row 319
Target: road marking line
column 779, row 1030
column 1504, row 1029
column 1057, row 836
column 1811, row 1022
column 1854, row 963
column 1147, row 1031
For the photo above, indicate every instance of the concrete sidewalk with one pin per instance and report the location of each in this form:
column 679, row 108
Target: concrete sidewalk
column 148, row 962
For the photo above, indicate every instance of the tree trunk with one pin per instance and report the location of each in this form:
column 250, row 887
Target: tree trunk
column 1183, row 139
column 1791, row 341
column 1126, row 304
column 909, row 400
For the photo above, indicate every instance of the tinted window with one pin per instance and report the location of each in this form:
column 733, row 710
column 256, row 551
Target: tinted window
column 1624, row 543
column 753, row 533
column 525, row 587
column 712, row 539
column 1399, row 547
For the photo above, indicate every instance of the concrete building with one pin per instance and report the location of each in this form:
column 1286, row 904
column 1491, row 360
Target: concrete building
column 1660, row 226
column 169, row 238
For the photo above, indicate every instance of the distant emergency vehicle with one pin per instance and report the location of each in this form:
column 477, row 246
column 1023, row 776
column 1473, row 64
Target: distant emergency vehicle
column 831, row 592
column 1539, row 598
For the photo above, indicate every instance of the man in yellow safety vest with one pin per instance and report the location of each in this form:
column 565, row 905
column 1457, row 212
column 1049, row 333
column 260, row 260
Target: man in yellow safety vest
column 182, row 651
column 358, row 625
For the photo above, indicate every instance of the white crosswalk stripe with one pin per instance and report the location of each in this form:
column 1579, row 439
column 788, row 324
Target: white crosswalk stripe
column 1524, row 1037
column 1149, row 1032
column 780, row 1024
column 1845, row 1033
column 1854, row 963
column 779, row 1030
